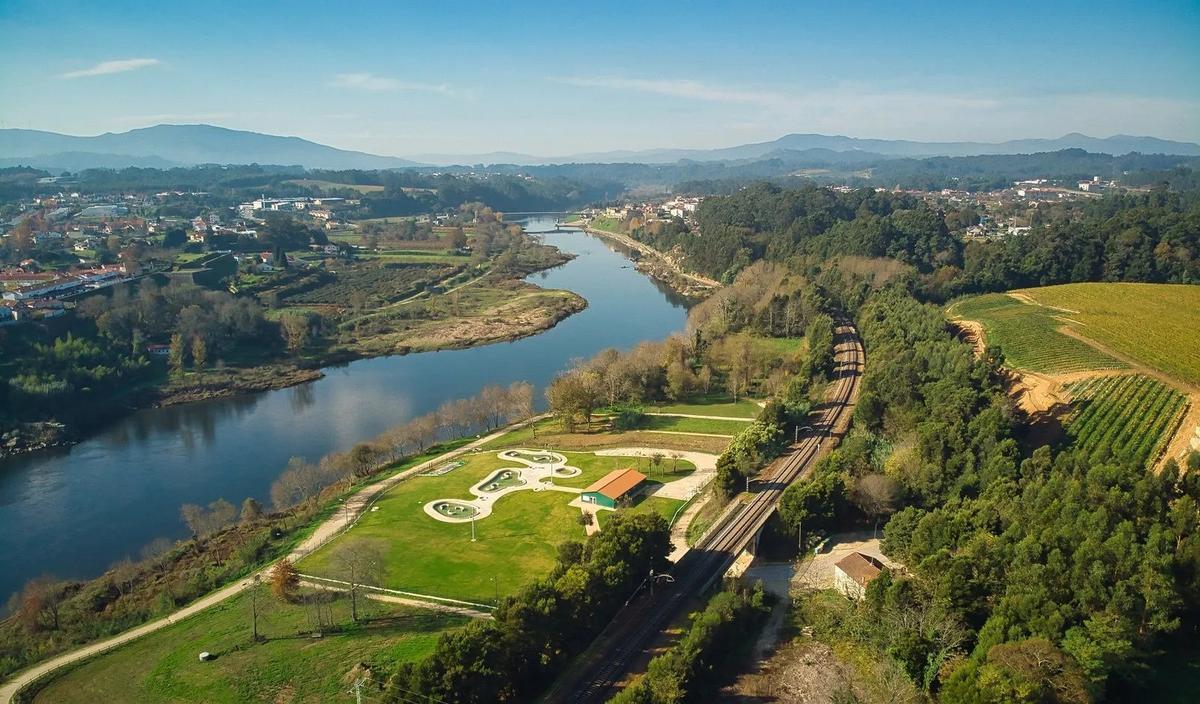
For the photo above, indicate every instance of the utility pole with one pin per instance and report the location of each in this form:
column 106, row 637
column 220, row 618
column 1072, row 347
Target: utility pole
column 356, row 689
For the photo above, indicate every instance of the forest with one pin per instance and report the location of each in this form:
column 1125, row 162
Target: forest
column 1153, row 237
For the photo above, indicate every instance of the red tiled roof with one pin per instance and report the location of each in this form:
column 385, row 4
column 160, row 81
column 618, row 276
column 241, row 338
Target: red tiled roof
column 859, row 567
column 617, row 483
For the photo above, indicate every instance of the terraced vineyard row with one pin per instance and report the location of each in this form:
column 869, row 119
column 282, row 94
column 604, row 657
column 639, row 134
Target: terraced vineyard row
column 1131, row 416
column 1029, row 337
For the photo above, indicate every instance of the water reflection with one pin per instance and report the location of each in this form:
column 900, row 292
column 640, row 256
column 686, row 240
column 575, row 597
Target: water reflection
column 74, row 511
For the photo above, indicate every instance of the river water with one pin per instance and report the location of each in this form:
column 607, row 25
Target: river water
column 73, row 512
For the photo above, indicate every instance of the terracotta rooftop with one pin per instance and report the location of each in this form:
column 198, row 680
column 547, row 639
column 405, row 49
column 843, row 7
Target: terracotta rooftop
column 616, row 483
column 859, row 567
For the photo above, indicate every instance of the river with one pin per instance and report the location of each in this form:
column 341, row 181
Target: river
column 72, row 512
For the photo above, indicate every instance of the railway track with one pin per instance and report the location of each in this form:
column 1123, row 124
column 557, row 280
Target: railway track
column 614, row 652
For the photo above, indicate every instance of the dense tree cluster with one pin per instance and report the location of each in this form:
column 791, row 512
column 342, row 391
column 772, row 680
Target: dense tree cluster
column 536, row 632
column 718, row 636
column 1058, row 572
column 1152, row 236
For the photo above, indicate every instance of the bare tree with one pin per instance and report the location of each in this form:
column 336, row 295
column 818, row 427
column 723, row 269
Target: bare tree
column 357, row 564
column 285, row 580
column 255, row 585
column 36, row 606
column 252, row 511
column 123, row 574
column 520, row 401
column 876, row 495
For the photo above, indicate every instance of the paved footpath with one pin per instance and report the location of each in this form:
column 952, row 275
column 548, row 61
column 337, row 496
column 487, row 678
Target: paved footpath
column 342, row 519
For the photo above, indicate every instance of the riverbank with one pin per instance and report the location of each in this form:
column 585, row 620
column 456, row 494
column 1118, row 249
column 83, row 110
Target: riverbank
column 337, row 514
column 483, row 311
column 656, row 264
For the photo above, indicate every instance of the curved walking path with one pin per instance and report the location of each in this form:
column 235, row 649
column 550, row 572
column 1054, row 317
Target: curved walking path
column 342, row 519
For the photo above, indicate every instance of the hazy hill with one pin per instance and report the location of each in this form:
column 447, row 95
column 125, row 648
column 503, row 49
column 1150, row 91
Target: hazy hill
column 179, row 145
column 813, row 143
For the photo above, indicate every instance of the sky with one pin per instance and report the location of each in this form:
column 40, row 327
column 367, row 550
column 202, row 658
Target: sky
column 412, row 78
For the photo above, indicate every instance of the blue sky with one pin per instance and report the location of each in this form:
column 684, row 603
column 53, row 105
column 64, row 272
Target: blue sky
column 546, row 78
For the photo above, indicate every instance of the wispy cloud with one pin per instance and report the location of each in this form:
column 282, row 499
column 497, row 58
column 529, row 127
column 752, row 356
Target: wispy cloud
column 105, row 68
column 383, row 84
column 678, row 88
column 867, row 110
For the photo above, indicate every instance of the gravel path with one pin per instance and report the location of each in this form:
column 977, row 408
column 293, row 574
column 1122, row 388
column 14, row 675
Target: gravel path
column 342, row 519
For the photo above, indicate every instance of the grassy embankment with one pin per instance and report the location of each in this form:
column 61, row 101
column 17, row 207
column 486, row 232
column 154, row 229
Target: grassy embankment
column 289, row 665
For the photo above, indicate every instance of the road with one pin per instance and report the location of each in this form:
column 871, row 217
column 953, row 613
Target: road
column 343, row 518
column 595, row 674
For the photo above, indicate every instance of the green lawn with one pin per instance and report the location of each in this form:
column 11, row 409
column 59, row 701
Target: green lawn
column 607, row 224
column 715, row 405
column 650, row 504
column 693, row 425
column 549, row 433
column 289, row 667
column 515, row 545
column 1028, row 335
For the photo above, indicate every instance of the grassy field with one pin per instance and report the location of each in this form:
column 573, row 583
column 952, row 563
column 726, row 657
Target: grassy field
column 1132, row 416
column 515, row 544
column 1155, row 324
column 677, row 424
column 288, row 667
column 1029, row 337
column 712, row 406
column 607, row 224
column 549, row 433
column 333, row 186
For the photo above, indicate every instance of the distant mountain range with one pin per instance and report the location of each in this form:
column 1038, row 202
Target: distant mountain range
column 164, row 146
column 885, row 148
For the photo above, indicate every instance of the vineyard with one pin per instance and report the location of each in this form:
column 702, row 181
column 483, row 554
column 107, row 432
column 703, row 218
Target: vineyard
column 1132, row 416
column 1028, row 335
column 1155, row 324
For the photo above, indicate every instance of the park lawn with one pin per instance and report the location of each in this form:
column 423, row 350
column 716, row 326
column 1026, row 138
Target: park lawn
column 679, row 424
column 164, row 667
column 596, row 466
column 516, row 544
column 549, row 433
column 715, row 405
column 1155, row 324
column 647, row 504
column 1028, row 335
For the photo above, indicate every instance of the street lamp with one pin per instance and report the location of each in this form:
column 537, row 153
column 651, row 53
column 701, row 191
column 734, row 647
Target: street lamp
column 472, row 528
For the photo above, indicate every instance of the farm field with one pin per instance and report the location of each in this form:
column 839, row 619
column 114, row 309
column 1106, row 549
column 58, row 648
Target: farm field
column 1029, row 337
column 333, row 186
column 514, row 545
column 379, row 284
column 1157, row 325
column 1130, row 416
column 287, row 667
